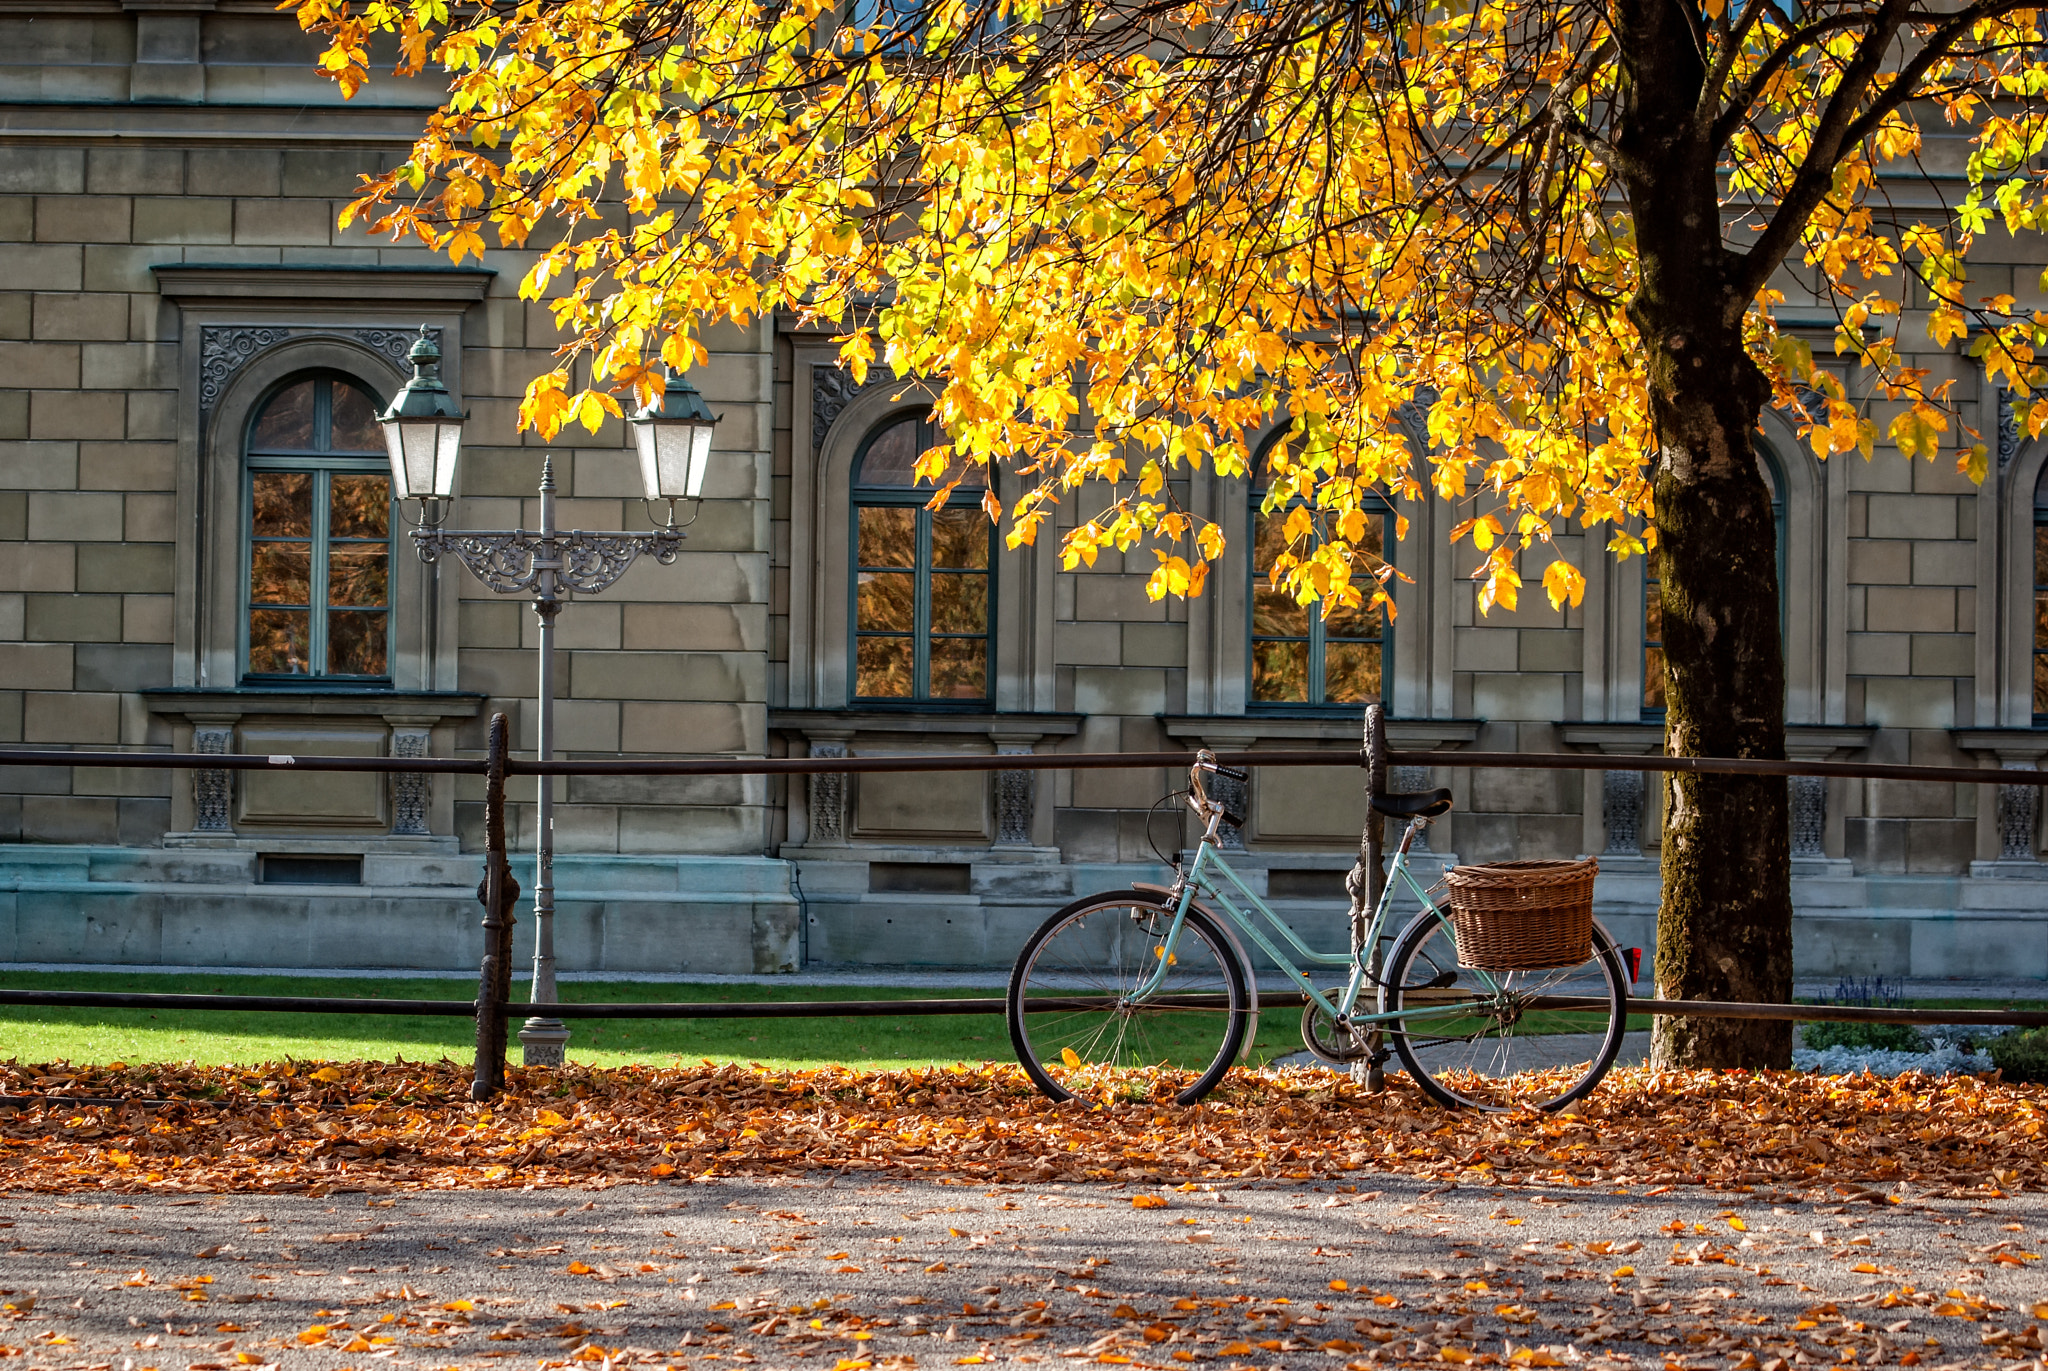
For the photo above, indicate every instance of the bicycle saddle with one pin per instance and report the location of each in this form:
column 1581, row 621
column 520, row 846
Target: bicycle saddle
column 1423, row 803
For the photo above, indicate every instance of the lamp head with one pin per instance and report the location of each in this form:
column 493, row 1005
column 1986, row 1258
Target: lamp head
column 423, row 429
column 673, row 437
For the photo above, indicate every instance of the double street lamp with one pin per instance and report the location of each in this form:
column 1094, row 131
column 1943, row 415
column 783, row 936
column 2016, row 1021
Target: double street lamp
column 423, row 434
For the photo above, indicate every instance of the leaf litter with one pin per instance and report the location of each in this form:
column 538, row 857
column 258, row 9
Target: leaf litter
column 299, row 1126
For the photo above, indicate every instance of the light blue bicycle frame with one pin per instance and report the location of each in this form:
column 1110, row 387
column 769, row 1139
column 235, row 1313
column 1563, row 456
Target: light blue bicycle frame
column 1200, row 876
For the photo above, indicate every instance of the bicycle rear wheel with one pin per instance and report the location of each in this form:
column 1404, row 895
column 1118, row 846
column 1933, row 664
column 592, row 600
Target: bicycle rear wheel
column 1078, row 1033
column 1508, row 1039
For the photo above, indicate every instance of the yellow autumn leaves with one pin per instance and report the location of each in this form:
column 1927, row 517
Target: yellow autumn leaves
column 1405, row 253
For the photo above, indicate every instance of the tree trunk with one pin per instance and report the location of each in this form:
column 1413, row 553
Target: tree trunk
column 1725, row 929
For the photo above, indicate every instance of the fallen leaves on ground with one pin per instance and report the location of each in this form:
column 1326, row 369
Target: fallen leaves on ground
column 351, row 1125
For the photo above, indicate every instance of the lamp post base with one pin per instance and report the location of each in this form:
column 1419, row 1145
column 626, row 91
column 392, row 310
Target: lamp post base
column 543, row 1042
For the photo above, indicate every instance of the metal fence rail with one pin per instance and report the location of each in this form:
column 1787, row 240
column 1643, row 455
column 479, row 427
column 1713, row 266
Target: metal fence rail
column 500, row 891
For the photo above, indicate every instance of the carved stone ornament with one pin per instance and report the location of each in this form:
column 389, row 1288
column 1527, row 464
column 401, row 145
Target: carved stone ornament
column 2017, row 808
column 225, row 349
column 212, row 791
column 832, row 390
column 828, row 797
column 2008, row 429
column 1809, row 816
column 1016, row 799
column 1621, row 810
column 409, row 789
column 511, row 562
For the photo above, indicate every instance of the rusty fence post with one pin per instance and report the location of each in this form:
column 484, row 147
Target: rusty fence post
column 498, row 892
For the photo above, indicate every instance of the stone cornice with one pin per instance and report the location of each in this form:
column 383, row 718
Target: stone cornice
column 203, row 283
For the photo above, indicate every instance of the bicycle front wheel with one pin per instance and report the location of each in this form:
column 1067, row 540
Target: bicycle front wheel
column 1078, row 1026
column 1505, row 1039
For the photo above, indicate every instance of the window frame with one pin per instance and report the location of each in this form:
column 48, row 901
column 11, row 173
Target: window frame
column 913, row 497
column 323, row 465
column 1318, row 702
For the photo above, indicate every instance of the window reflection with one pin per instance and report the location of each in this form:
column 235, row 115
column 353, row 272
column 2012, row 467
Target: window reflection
column 1301, row 655
column 921, row 607
column 319, row 535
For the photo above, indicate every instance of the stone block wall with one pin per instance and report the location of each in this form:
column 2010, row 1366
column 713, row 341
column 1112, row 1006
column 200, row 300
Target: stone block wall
column 169, row 187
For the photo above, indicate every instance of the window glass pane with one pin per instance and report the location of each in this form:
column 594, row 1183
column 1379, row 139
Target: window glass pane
column 1346, row 622
column 2041, row 683
column 959, row 668
column 1653, row 678
column 1280, row 672
column 1275, row 613
column 286, row 424
column 882, row 668
column 959, row 603
column 352, row 426
column 887, row 602
column 278, row 642
column 959, row 535
column 1351, row 673
column 888, row 537
column 281, row 573
column 356, row 574
column 355, row 642
column 891, row 456
column 360, row 507
column 282, row 504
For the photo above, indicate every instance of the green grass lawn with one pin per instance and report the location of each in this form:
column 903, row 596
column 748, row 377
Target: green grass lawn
column 44, row 1034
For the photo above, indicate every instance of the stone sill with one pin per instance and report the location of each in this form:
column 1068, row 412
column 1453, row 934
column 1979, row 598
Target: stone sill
column 934, row 855
column 1403, row 735
column 846, row 722
column 311, row 845
column 195, row 703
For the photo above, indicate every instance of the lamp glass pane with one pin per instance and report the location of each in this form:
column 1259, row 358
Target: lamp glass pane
column 645, row 441
column 448, row 452
column 420, row 443
column 394, row 448
column 700, row 458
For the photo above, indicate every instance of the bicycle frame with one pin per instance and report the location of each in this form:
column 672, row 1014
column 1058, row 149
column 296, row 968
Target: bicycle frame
column 1200, row 876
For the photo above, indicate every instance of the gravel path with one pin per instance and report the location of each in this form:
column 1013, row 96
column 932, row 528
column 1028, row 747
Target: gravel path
column 835, row 1274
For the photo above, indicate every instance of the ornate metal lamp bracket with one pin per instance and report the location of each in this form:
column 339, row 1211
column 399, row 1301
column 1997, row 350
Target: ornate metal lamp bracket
column 513, row 561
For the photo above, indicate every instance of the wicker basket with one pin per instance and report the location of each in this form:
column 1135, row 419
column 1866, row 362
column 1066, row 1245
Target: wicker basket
column 1523, row 916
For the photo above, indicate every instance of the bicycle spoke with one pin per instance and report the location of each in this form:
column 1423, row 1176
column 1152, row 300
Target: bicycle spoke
column 1473, row 1039
column 1110, row 951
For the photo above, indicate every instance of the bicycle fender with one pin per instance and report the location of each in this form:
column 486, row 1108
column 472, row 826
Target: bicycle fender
column 1160, row 893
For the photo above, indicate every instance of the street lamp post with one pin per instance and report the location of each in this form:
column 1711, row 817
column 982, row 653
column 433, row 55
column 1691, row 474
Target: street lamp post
column 423, row 433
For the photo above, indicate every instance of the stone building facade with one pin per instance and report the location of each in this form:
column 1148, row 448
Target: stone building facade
column 190, row 559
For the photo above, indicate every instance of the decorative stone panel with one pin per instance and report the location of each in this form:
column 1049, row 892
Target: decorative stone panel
column 828, row 796
column 212, row 791
column 1016, row 799
column 410, row 789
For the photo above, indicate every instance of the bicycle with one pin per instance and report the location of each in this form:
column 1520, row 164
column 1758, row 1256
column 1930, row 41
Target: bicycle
column 1156, row 977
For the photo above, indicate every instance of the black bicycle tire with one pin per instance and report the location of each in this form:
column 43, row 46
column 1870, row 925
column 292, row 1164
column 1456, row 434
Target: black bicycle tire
column 1235, row 973
column 1605, row 952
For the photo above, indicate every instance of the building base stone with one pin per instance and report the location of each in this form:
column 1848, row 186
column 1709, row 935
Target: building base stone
column 415, row 910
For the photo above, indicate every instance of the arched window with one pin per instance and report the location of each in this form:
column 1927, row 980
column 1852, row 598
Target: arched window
column 921, row 579
column 1653, row 600
column 319, row 536
column 1299, row 655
